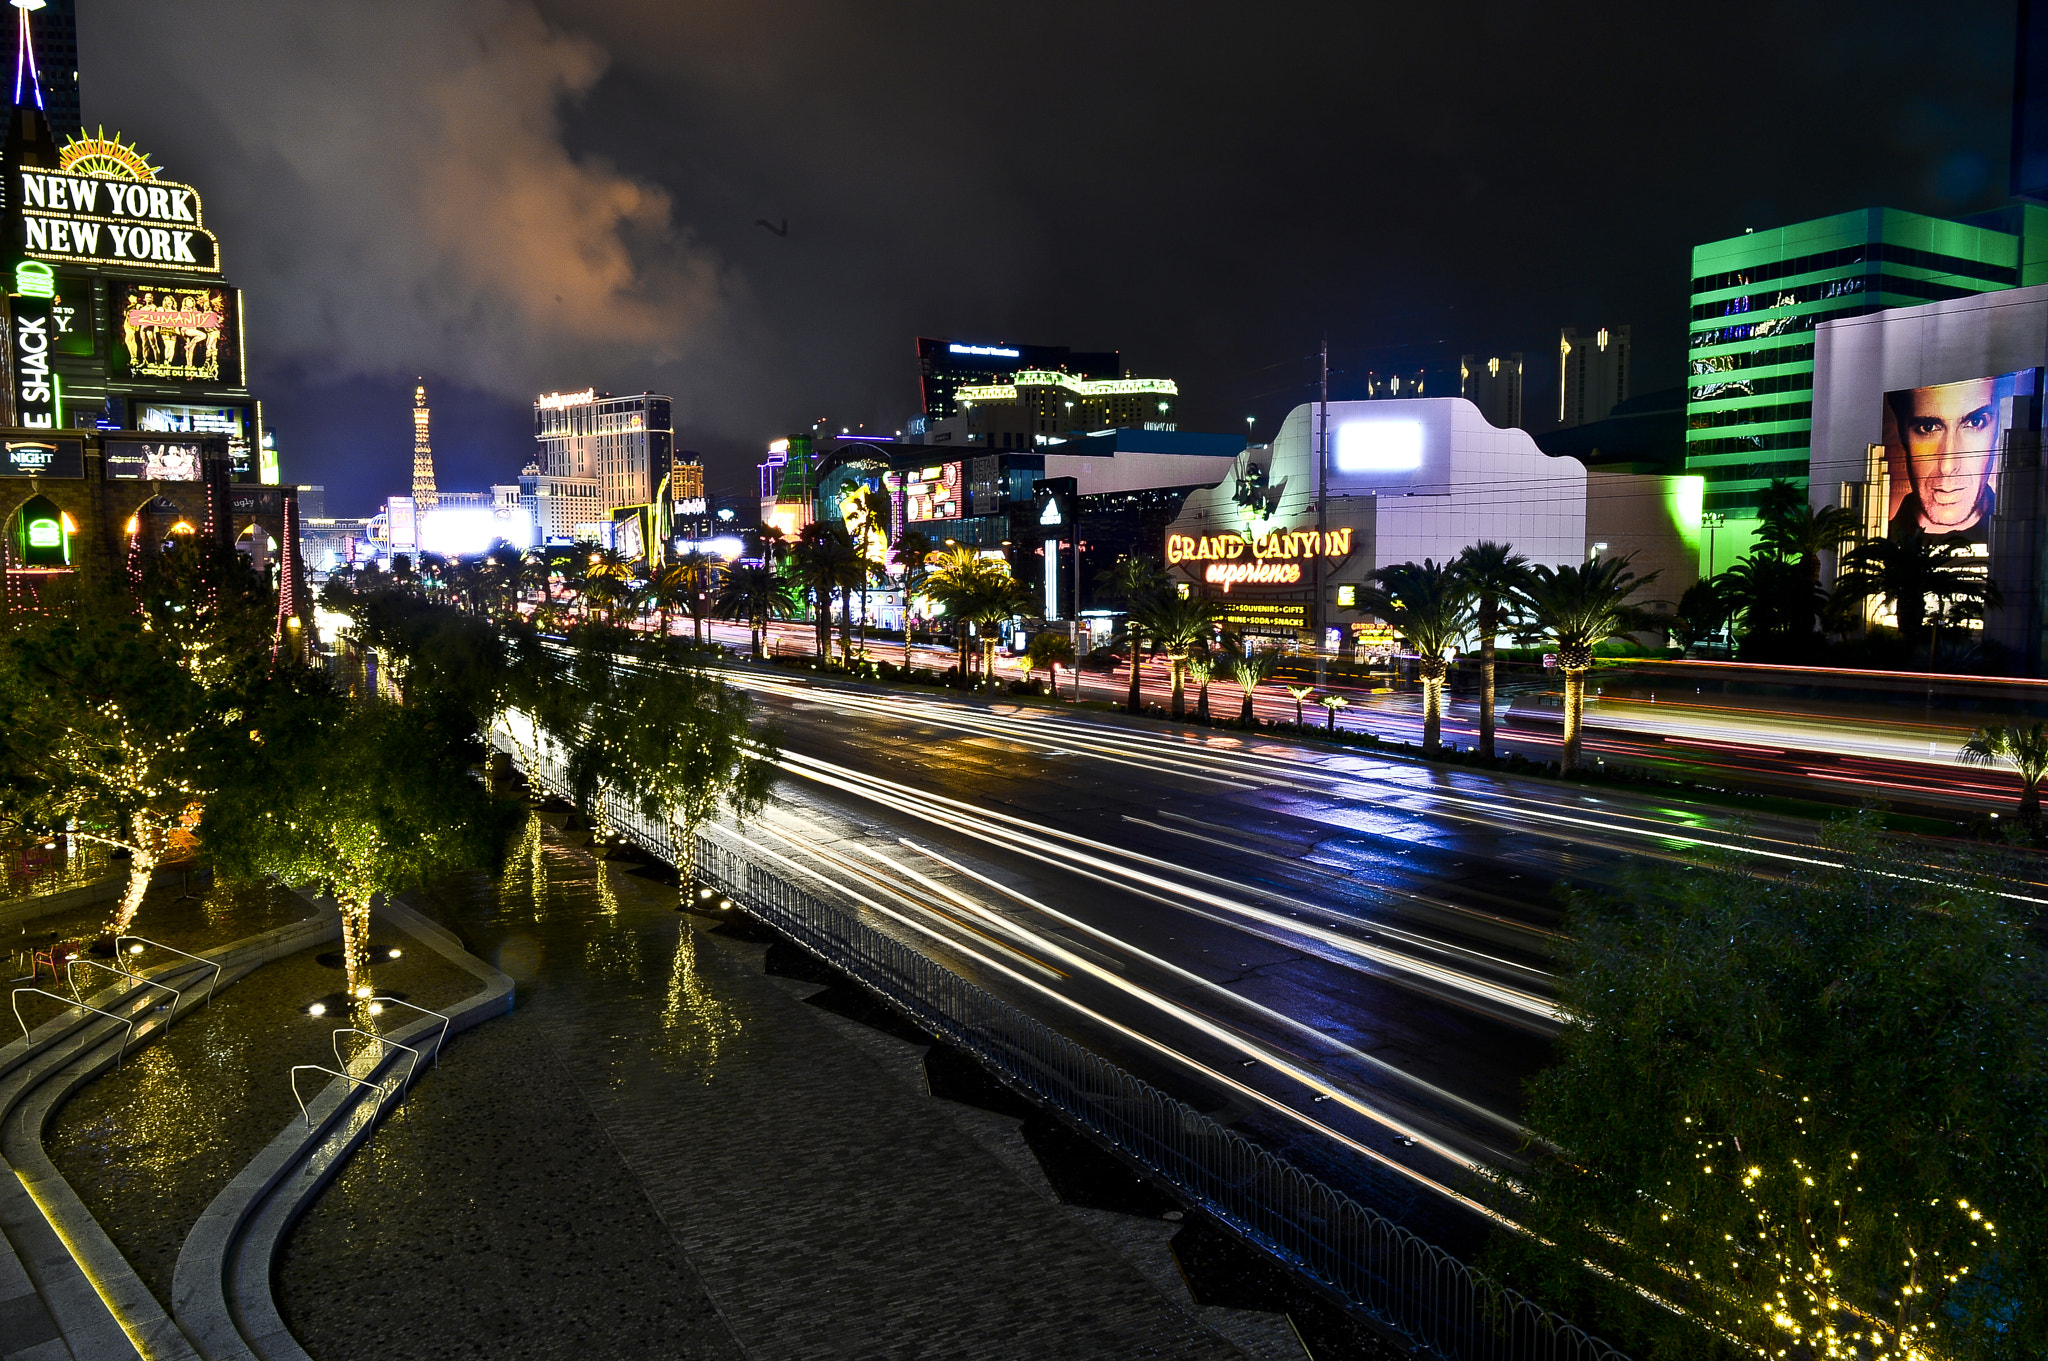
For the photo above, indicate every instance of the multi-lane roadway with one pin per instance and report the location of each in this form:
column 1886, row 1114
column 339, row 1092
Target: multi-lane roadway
column 1901, row 753
column 1351, row 956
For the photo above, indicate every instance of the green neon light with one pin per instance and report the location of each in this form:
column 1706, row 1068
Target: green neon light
column 34, row 279
column 1688, row 501
column 45, row 534
column 56, row 400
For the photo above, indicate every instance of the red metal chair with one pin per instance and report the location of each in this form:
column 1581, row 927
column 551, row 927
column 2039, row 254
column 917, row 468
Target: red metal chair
column 54, row 957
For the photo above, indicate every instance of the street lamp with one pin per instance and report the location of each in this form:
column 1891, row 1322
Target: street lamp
column 1711, row 521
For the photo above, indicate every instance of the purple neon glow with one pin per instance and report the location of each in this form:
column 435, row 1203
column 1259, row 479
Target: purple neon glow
column 25, row 56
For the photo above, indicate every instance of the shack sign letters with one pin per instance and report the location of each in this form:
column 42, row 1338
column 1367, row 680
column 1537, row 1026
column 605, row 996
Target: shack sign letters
column 154, row 224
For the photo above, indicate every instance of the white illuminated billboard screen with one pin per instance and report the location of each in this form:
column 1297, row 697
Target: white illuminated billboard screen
column 1379, row 446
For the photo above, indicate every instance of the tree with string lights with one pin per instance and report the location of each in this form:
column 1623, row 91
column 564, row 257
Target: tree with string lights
column 1803, row 1105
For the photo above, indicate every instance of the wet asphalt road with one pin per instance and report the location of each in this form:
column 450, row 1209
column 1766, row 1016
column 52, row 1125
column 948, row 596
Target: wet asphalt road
column 1349, row 956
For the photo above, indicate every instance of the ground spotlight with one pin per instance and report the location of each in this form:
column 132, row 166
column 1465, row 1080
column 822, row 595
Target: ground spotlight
column 317, row 1009
column 136, row 948
column 393, row 953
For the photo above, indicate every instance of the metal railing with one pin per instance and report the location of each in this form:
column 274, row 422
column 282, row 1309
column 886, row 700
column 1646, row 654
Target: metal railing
column 71, row 980
column 1405, row 1284
column 121, row 947
column 371, row 1035
column 377, row 1087
column 127, row 1021
column 413, row 1006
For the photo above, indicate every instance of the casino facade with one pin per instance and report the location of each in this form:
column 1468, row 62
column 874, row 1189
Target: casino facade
column 126, row 418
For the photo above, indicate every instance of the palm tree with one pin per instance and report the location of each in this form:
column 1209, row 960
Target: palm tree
column 1301, row 694
column 1249, row 672
column 698, row 573
column 976, row 591
column 1050, row 649
column 1581, row 608
column 2025, row 748
column 1131, row 580
column 1491, row 572
column 1201, row 668
column 826, row 563
column 536, row 573
column 1908, row 568
column 1332, row 703
column 755, row 594
column 1178, row 624
column 913, row 555
column 669, row 588
column 1431, row 605
column 605, row 575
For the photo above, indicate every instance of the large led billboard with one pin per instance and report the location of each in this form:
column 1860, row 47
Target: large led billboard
column 166, row 418
column 181, row 332
column 1942, row 445
column 932, row 493
column 154, row 460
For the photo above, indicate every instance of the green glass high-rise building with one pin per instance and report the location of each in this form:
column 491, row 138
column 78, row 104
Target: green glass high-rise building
column 1756, row 299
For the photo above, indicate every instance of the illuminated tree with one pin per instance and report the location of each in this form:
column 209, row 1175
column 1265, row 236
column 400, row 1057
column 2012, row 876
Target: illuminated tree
column 679, row 745
column 1580, row 608
column 1178, row 624
column 1431, row 605
column 1331, row 704
column 1131, row 580
column 826, row 563
column 2025, row 749
column 755, row 594
column 102, row 729
column 1201, row 669
column 1248, row 672
column 976, row 591
column 1805, row 1105
column 1491, row 572
column 364, row 799
column 1050, row 649
column 1906, row 570
column 1301, row 694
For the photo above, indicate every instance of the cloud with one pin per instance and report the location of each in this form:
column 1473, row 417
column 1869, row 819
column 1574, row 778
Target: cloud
column 392, row 188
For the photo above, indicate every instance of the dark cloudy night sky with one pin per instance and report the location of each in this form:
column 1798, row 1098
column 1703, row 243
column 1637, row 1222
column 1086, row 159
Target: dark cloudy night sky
column 511, row 197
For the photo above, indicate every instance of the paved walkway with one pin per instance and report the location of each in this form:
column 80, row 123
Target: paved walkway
column 665, row 1153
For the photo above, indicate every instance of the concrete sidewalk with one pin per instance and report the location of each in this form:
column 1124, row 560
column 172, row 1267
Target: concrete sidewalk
column 675, row 1155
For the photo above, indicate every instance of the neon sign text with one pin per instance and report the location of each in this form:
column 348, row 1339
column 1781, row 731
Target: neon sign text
column 1240, row 560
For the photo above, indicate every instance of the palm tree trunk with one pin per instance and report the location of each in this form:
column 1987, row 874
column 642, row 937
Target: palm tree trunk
column 1245, row 715
column 1574, row 717
column 1180, row 696
column 1486, row 696
column 1432, row 714
column 822, row 621
column 1202, row 703
column 988, row 659
column 1137, row 662
column 2030, row 801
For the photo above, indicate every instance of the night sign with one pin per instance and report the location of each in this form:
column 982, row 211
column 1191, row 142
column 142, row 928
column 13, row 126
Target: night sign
column 42, row 458
column 113, row 222
column 1276, row 559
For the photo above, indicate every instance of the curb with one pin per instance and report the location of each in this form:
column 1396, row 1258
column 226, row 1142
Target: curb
column 94, row 1299
column 221, row 1287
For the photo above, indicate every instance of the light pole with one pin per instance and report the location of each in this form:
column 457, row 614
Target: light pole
column 1711, row 521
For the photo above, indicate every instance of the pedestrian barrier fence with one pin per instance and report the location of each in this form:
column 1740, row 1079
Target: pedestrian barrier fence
column 1405, row 1284
column 439, row 1044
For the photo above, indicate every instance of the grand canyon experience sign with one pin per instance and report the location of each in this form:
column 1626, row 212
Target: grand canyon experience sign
column 153, row 224
column 1273, row 559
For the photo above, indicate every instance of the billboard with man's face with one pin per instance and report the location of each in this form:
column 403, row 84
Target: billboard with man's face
column 1942, row 446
